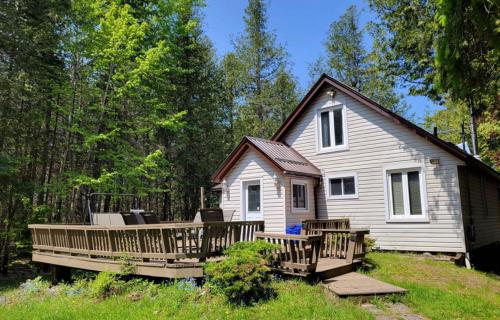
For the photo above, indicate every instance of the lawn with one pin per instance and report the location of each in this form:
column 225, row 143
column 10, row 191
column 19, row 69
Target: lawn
column 295, row 300
column 437, row 290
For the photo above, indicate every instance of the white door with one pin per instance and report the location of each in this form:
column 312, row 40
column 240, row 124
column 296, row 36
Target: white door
column 252, row 196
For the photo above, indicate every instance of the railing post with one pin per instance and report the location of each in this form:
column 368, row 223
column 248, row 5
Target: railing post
column 87, row 242
column 351, row 246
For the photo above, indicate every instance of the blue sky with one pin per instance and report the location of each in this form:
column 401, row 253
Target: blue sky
column 300, row 25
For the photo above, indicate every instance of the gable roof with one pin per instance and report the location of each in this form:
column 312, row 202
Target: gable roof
column 326, row 81
column 280, row 155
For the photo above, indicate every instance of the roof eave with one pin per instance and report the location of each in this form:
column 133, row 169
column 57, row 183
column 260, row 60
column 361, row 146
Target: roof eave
column 325, row 79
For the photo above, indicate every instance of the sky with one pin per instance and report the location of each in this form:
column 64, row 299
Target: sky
column 300, row 25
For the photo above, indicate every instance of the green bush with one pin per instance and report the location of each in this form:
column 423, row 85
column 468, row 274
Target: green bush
column 244, row 276
column 105, row 284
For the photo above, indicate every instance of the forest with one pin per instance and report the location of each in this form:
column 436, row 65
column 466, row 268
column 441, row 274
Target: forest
column 129, row 96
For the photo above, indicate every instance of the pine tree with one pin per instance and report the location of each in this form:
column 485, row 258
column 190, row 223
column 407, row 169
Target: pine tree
column 265, row 98
column 349, row 62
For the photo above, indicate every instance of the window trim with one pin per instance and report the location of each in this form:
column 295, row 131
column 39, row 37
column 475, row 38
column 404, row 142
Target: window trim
column 345, row 174
column 299, row 182
column 319, row 128
column 405, row 168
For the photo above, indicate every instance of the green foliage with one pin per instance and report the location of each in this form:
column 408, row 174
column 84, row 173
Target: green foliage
column 438, row 289
column 369, row 244
column 115, row 100
column 261, row 89
column 349, row 62
column 104, row 285
column 295, row 300
column 467, row 51
column 448, row 51
column 243, row 276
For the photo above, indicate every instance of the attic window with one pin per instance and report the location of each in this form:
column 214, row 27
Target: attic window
column 332, row 129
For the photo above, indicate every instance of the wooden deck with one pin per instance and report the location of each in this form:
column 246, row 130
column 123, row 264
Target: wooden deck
column 178, row 250
column 162, row 250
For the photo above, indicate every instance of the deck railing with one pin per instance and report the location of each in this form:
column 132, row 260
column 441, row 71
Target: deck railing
column 299, row 254
column 296, row 254
column 311, row 226
column 162, row 241
column 342, row 244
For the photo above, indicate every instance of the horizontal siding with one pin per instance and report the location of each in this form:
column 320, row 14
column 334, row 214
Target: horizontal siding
column 375, row 141
column 252, row 166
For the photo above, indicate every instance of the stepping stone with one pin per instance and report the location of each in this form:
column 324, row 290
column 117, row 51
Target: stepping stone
column 356, row 284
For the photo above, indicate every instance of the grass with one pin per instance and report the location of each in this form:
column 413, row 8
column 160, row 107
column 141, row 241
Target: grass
column 295, row 300
column 439, row 289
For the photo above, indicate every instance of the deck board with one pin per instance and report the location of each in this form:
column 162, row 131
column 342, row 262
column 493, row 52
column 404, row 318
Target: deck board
column 357, row 284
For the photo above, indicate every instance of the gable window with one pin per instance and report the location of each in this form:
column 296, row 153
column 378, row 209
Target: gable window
column 332, row 129
column 343, row 186
column 299, row 195
column 405, row 191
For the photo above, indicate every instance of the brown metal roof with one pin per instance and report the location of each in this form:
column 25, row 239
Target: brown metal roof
column 279, row 154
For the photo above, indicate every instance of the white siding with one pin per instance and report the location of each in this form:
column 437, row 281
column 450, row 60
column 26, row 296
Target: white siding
column 375, row 141
column 293, row 218
column 253, row 166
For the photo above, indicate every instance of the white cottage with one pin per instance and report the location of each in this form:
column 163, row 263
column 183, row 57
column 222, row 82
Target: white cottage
column 341, row 155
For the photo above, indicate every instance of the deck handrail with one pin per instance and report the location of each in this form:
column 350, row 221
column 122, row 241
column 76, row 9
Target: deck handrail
column 308, row 226
column 296, row 254
column 342, row 243
column 155, row 241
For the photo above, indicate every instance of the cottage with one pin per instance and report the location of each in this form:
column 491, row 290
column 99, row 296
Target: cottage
column 341, row 155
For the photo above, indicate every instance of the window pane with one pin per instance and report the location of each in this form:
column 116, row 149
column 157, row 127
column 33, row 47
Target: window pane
column 397, row 194
column 336, row 187
column 349, row 187
column 338, row 126
column 414, row 190
column 254, row 198
column 325, row 130
column 299, row 196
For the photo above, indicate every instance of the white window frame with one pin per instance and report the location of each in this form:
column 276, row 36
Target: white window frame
column 332, row 147
column 304, row 183
column 405, row 168
column 341, row 175
column 243, row 193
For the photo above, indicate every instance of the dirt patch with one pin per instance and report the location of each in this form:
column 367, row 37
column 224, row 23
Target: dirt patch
column 392, row 311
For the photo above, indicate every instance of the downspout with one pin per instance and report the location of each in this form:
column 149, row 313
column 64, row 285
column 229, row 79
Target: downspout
column 316, row 188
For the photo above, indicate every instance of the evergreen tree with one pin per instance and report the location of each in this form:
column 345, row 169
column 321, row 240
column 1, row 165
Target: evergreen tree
column 268, row 91
column 349, row 62
column 448, row 50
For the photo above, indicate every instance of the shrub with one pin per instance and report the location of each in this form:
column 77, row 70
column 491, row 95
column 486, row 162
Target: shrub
column 369, row 244
column 105, row 284
column 244, row 276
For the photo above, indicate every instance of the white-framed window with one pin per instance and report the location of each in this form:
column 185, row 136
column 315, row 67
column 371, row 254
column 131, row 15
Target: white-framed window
column 299, row 195
column 406, row 194
column 332, row 129
column 343, row 185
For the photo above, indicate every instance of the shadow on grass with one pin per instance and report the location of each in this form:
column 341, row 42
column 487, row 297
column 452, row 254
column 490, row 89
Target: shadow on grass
column 19, row 271
column 487, row 259
column 367, row 266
